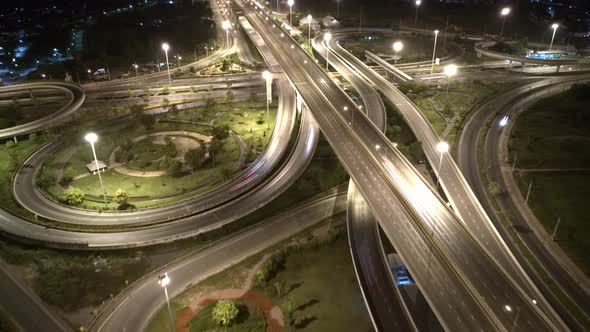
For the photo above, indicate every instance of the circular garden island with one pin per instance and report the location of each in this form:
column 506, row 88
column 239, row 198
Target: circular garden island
column 157, row 160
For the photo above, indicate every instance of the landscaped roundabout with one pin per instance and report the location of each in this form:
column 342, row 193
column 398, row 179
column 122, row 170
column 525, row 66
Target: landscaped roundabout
column 149, row 167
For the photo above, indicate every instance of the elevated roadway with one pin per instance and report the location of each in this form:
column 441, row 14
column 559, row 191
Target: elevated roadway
column 73, row 91
column 566, row 276
column 391, row 185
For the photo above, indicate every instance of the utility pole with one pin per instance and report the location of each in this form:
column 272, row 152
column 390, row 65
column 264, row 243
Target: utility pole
column 528, row 193
column 555, row 229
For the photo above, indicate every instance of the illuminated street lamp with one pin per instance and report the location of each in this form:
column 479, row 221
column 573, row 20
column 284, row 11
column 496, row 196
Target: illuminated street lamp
column 504, row 12
column 434, row 50
column 89, row 74
column 309, row 17
column 554, row 26
column 44, row 77
column 164, row 281
column 327, row 38
column 179, row 58
column 268, row 78
column 442, row 148
column 418, row 3
column 397, row 47
column 226, row 25
column 166, row 47
column 92, row 138
column 449, row 71
column 291, row 3
column 135, row 66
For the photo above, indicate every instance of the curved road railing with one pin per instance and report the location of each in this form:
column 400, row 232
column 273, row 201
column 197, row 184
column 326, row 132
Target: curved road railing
column 76, row 99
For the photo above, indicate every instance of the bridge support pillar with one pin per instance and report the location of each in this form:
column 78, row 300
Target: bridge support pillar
column 557, row 68
column 15, row 139
column 510, row 64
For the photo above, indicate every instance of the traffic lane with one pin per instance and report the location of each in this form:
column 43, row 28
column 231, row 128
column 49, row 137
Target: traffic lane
column 25, row 306
column 454, row 184
column 296, row 77
column 148, row 296
column 524, row 302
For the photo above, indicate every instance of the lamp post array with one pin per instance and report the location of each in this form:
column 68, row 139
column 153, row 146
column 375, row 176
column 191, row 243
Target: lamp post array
column 554, row 26
column 449, row 71
column 166, row 47
column 434, row 50
column 268, row 78
column 327, row 38
column 164, row 281
column 291, row 3
column 504, row 12
column 92, row 138
column 397, row 47
column 417, row 3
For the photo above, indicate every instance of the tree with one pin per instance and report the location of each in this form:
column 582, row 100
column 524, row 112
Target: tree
column 45, row 179
column 229, row 97
column 146, row 120
column 174, row 168
column 74, row 196
column 213, row 148
column 221, row 132
column 195, row 157
column 120, row 197
column 493, row 188
column 225, row 312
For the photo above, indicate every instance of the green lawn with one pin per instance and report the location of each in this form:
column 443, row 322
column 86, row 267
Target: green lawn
column 71, row 280
column 7, row 323
column 11, row 155
column 322, row 288
column 248, row 320
column 416, row 48
column 555, row 134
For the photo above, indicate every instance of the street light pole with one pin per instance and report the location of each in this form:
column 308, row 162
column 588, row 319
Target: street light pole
column 434, row 50
column 92, row 138
column 504, row 12
column 327, row 38
column 397, row 47
column 418, row 2
column 179, row 58
column 166, row 47
column 268, row 78
column 450, row 71
column 337, row 9
column 309, row 29
column 554, row 26
column 291, row 3
column 442, row 147
column 135, row 66
column 164, row 281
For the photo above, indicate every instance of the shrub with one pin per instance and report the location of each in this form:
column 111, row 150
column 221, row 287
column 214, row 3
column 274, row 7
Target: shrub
column 225, row 312
column 120, row 197
column 74, row 196
column 45, row 179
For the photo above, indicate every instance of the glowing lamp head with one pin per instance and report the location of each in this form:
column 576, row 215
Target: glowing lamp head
column 418, row 3
column 266, row 75
column 290, row 3
column 436, row 32
column 135, row 66
column 442, row 147
column 91, row 138
column 505, row 11
column 165, row 47
column 309, row 18
column 398, row 46
column 43, row 75
column 504, row 121
column 327, row 36
column 554, row 26
column 450, row 70
column 164, row 280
